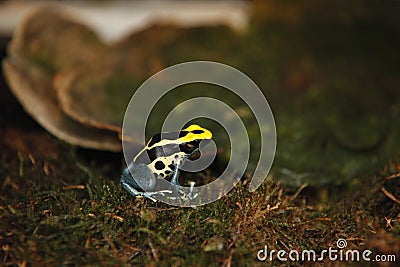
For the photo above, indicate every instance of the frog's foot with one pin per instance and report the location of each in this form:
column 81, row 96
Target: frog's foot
column 148, row 195
column 192, row 196
column 175, row 188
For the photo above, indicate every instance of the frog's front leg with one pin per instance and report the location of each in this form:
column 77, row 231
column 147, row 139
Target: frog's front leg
column 192, row 196
column 175, row 183
column 174, row 180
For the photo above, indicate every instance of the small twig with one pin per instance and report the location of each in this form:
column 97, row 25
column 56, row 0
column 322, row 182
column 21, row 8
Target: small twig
column 134, row 255
column 71, row 187
column 324, row 219
column 393, row 176
column 297, row 193
column 228, row 261
column 46, row 168
column 389, row 222
column 153, row 251
column 119, row 218
column 32, row 159
column 21, row 164
column 389, row 195
column 87, row 242
column 269, row 208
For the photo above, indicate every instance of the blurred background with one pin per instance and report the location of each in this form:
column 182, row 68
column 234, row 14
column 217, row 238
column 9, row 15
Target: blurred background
column 330, row 71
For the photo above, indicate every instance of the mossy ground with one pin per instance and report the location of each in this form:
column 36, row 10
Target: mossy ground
column 60, row 205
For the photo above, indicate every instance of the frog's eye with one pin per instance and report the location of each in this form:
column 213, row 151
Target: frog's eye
column 191, row 145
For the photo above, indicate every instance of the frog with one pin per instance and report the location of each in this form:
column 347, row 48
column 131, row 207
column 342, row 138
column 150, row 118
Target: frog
column 161, row 158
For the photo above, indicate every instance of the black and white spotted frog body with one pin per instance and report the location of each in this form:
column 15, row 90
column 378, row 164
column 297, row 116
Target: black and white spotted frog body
column 161, row 159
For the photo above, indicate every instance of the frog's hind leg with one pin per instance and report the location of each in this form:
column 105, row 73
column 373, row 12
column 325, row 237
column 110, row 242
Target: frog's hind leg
column 145, row 176
column 131, row 190
column 130, row 185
